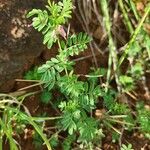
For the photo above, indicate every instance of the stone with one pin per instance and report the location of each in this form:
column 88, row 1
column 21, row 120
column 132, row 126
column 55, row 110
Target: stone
column 20, row 44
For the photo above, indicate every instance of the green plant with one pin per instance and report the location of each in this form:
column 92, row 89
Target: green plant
column 85, row 107
column 49, row 21
column 128, row 147
column 143, row 120
column 32, row 74
column 67, row 144
column 37, row 141
column 14, row 119
column 79, row 98
column 46, row 96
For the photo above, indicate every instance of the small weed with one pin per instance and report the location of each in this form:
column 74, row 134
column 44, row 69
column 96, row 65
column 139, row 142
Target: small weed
column 84, row 108
column 79, row 98
column 128, row 147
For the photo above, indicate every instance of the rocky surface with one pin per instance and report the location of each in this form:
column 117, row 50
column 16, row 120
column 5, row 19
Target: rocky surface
column 20, row 44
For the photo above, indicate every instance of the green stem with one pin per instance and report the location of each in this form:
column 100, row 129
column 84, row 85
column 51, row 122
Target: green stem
column 7, row 130
column 1, row 140
column 49, row 2
column 113, row 60
column 59, row 45
column 125, row 15
column 36, row 127
column 60, row 52
column 133, row 7
column 39, row 131
column 133, row 39
column 38, row 119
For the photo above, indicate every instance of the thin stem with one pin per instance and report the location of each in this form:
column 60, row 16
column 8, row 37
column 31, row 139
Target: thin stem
column 126, row 18
column 49, row 2
column 113, row 60
column 109, row 125
column 61, row 51
column 133, row 7
column 30, row 86
column 133, row 39
column 59, row 45
column 40, row 119
column 24, row 80
column 8, row 133
column 1, row 140
column 36, row 126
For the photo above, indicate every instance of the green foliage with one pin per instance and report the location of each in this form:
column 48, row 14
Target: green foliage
column 32, row 74
column 109, row 99
column 127, row 82
column 46, row 96
column 137, row 70
column 114, row 107
column 49, row 21
column 37, row 141
column 68, row 141
column 75, row 44
column 143, row 118
column 76, row 120
column 54, row 140
column 115, row 137
column 70, row 118
column 87, row 129
column 80, row 99
column 51, row 70
column 134, row 49
column 7, row 128
column 13, row 118
column 70, row 86
column 126, row 147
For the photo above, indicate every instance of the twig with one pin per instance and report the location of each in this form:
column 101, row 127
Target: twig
column 31, row 86
column 24, row 80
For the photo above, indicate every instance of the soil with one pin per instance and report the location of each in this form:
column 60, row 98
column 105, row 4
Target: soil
column 33, row 53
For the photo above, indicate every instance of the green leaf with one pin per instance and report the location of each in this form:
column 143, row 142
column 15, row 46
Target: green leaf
column 70, row 86
column 87, row 130
column 37, row 141
column 32, row 74
column 43, row 68
column 126, row 147
column 127, row 82
column 137, row 70
column 33, row 12
column 68, row 122
column 54, row 141
column 75, row 44
column 134, row 49
column 46, row 96
column 68, row 141
column 48, row 21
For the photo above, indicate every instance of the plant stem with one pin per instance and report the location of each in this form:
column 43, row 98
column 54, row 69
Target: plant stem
column 38, row 119
column 125, row 15
column 1, row 140
column 31, row 86
column 60, row 52
column 133, row 7
column 8, row 133
column 113, row 60
column 36, row 126
column 133, row 39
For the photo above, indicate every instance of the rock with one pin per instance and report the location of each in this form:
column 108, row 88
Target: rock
column 20, row 44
